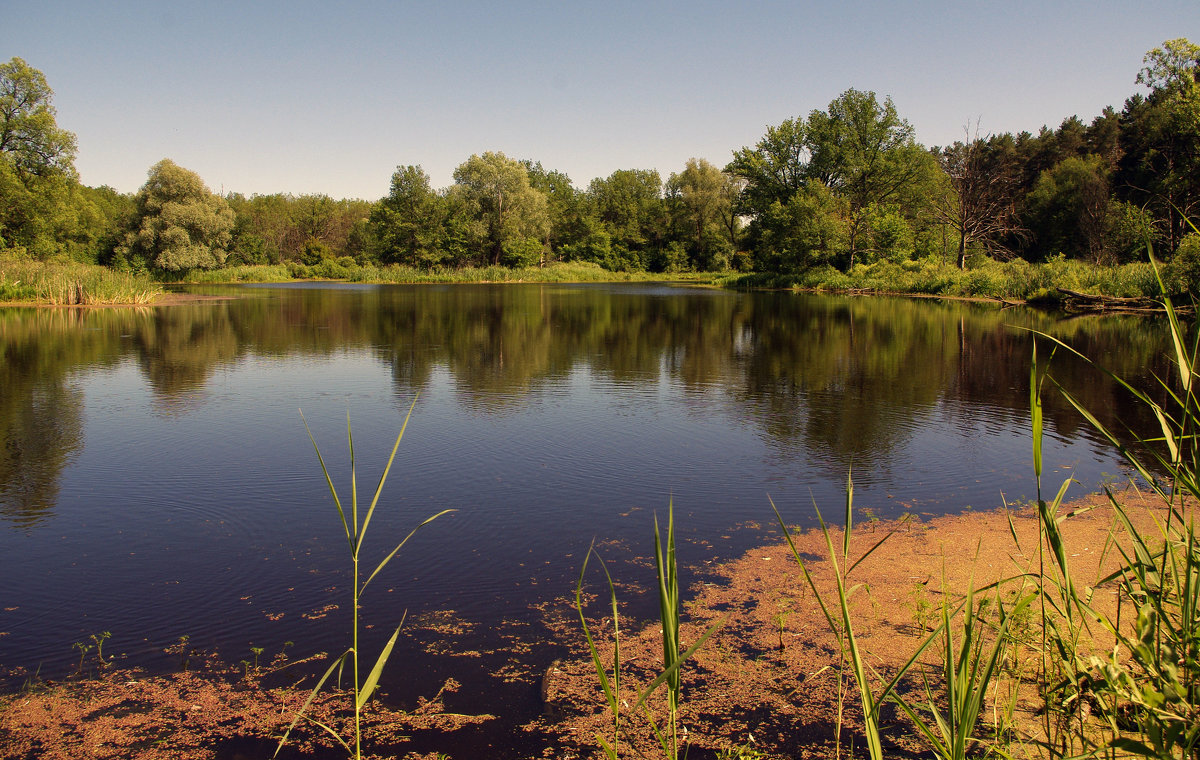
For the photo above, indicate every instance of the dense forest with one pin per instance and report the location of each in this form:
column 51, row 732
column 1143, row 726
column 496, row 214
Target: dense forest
column 843, row 186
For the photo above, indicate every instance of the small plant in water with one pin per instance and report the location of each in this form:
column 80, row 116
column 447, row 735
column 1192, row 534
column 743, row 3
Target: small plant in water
column 98, row 639
column 97, row 643
column 83, row 648
column 922, row 607
column 741, row 752
column 355, row 531
column 870, row 516
column 780, row 618
column 673, row 660
column 181, row 648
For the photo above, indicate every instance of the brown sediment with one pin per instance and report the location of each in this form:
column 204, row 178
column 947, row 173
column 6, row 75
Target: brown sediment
column 215, row 711
column 766, row 680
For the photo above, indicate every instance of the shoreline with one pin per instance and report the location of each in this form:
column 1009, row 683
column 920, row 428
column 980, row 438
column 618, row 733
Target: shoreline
column 762, row 681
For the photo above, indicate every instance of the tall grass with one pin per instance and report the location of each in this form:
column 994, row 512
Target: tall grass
column 842, row 624
column 241, row 273
column 346, row 269
column 985, row 278
column 355, row 532
column 1145, row 692
column 611, row 686
column 948, row 711
column 71, row 284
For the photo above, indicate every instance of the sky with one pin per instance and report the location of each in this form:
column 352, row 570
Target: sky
column 323, row 97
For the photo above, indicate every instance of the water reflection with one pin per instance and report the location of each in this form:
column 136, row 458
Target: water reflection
column 850, row 379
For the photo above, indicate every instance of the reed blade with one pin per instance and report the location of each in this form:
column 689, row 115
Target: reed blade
column 368, row 687
column 387, row 468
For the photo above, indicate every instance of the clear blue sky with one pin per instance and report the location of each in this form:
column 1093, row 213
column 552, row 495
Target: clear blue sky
column 328, row 97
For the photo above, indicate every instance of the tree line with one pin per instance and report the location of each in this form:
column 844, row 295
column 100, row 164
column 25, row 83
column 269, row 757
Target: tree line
column 841, row 186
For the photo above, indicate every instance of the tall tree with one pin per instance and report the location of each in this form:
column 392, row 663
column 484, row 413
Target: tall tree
column 1161, row 136
column 179, row 224
column 981, row 204
column 629, row 204
column 408, row 222
column 29, row 135
column 865, row 153
column 775, row 169
column 44, row 212
column 564, row 206
column 701, row 200
column 508, row 212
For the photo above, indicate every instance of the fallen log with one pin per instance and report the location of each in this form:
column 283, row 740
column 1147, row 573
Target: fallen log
column 1073, row 300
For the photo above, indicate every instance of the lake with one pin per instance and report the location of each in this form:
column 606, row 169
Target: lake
column 156, row 480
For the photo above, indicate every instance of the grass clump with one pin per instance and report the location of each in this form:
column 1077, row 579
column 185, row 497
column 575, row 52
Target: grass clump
column 1137, row 695
column 1015, row 280
column 348, row 270
column 1144, row 693
column 72, row 284
column 241, row 273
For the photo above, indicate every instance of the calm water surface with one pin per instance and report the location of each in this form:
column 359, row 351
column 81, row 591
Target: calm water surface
column 156, row 480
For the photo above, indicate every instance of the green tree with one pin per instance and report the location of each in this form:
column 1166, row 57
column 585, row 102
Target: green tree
column 808, row 230
column 1161, row 137
column 179, row 223
column 29, row 135
column 504, row 207
column 408, row 223
column 566, row 207
column 700, row 199
column 44, row 212
column 1069, row 210
column 865, row 153
column 629, row 204
column 775, row 169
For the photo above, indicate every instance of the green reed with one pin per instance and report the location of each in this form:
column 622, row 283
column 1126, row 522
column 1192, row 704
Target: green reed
column 610, row 686
column 842, row 625
column 355, row 532
column 667, row 571
column 948, row 716
column 72, row 284
column 1144, row 694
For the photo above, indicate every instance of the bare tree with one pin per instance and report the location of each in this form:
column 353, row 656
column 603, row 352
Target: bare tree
column 981, row 204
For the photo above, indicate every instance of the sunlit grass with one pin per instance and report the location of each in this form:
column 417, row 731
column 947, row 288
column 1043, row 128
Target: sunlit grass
column 71, row 284
column 403, row 275
column 1015, row 280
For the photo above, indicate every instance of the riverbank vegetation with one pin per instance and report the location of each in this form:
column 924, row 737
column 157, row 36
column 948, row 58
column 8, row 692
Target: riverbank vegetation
column 70, row 283
column 843, row 198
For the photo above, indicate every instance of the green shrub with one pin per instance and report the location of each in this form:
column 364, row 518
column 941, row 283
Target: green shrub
column 1182, row 275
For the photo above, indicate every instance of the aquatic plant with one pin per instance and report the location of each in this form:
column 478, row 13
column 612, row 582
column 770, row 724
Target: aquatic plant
column 971, row 650
column 667, row 571
column 842, row 624
column 610, row 686
column 355, row 532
